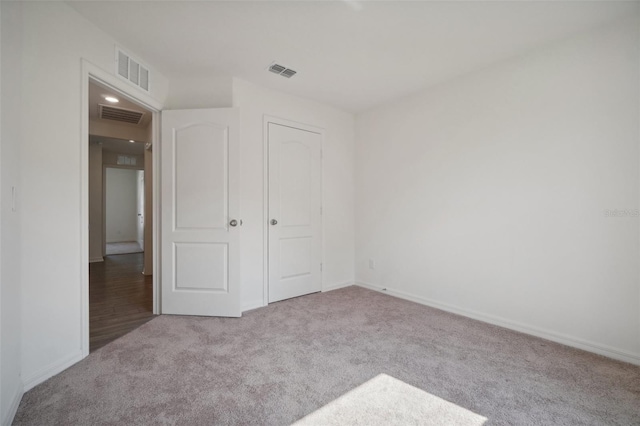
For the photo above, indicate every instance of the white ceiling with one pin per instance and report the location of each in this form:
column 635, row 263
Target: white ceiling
column 351, row 54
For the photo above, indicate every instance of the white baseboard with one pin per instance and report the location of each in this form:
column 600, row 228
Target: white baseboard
column 336, row 286
column 96, row 259
column 51, row 370
column 564, row 339
column 13, row 408
column 252, row 305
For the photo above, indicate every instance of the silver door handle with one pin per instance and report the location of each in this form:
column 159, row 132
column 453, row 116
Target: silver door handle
column 233, row 222
column 274, row 222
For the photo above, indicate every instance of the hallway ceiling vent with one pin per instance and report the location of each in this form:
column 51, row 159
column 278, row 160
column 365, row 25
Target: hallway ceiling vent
column 281, row 70
column 132, row 70
column 109, row 112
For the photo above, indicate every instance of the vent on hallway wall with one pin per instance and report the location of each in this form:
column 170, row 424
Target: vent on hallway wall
column 126, row 160
column 123, row 115
column 132, row 70
column 282, row 70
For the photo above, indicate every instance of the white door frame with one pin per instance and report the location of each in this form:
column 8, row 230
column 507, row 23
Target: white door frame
column 92, row 72
column 265, row 219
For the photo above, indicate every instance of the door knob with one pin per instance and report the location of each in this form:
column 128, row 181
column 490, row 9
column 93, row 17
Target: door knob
column 274, row 222
column 233, row 222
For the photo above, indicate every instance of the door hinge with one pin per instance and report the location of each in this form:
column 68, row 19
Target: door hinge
column 321, row 267
column 320, row 210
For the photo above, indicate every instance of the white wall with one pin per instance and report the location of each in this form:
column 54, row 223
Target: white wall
column 50, row 179
column 188, row 92
column 140, row 207
column 121, row 205
column 10, row 139
column 148, row 213
column 487, row 195
column 338, row 183
column 96, row 228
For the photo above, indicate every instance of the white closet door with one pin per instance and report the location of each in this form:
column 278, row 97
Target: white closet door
column 295, row 235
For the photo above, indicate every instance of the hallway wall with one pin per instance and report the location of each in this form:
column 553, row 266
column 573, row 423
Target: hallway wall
column 95, row 203
column 121, row 205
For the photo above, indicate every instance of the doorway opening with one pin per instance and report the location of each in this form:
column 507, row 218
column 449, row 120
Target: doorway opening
column 123, row 210
column 120, row 209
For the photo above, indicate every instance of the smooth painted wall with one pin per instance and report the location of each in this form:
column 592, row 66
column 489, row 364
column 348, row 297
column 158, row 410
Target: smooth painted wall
column 489, row 195
column 148, row 213
column 337, row 184
column 96, row 197
column 140, row 207
column 189, row 92
column 10, row 243
column 121, row 205
column 50, row 179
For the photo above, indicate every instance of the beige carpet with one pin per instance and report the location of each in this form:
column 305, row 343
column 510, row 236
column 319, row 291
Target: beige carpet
column 126, row 247
column 278, row 364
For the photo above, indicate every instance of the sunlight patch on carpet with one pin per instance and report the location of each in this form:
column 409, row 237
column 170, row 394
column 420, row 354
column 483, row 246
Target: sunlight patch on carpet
column 385, row 400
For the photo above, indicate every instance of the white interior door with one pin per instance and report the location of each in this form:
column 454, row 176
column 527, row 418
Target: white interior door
column 200, row 223
column 295, row 236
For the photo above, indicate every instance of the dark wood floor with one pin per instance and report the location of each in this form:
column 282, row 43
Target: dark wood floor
column 120, row 298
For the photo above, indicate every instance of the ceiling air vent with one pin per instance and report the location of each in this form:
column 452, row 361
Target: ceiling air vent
column 109, row 112
column 283, row 71
column 277, row 68
column 132, row 70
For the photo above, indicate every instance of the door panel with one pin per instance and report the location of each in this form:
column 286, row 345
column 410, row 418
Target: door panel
column 201, row 266
column 200, row 253
column 201, row 154
column 295, row 183
column 296, row 257
column 295, row 238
